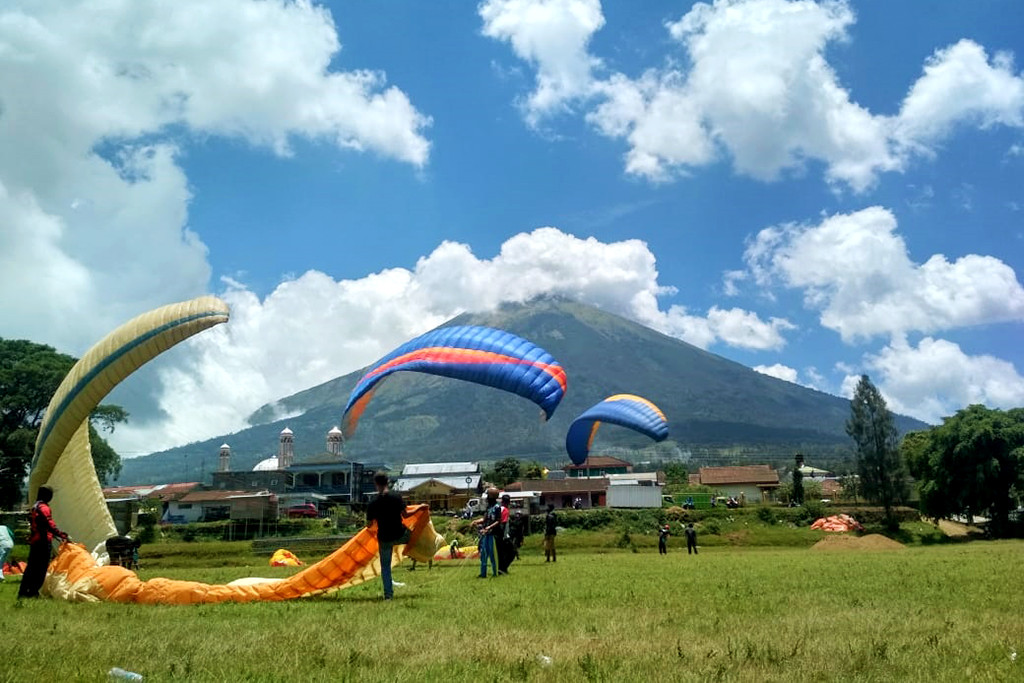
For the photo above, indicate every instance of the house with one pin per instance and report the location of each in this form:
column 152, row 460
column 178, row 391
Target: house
column 598, row 466
column 441, row 485
column 743, row 482
column 564, row 493
column 124, row 502
column 211, row 506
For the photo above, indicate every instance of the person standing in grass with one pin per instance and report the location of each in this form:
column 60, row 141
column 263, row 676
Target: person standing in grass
column 40, row 544
column 388, row 510
column 550, row 529
column 663, row 534
column 488, row 526
column 691, row 539
column 6, row 545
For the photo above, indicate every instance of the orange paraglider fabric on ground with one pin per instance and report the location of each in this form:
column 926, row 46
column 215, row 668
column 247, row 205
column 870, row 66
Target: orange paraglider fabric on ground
column 837, row 523
column 284, row 558
column 74, row 575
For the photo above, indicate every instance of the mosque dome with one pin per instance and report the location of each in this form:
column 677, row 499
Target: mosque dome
column 286, row 431
column 334, row 430
column 266, row 465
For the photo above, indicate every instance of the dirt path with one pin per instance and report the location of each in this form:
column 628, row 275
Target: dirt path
column 953, row 528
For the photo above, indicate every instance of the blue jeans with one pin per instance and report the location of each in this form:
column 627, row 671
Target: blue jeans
column 386, row 549
column 487, row 551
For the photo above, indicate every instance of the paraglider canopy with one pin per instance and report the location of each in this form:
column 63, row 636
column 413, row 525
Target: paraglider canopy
column 626, row 410
column 475, row 354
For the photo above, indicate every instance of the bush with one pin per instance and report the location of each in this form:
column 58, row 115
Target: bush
column 766, row 515
column 711, row 526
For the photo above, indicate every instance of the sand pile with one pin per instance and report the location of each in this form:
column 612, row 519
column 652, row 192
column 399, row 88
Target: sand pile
column 850, row 542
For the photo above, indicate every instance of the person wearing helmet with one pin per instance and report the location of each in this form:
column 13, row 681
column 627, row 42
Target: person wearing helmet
column 663, row 534
column 488, row 526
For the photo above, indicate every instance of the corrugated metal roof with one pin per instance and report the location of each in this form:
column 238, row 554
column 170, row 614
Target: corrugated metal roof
column 597, row 461
column 741, row 474
column 211, row 496
column 573, row 485
column 456, row 482
column 443, row 468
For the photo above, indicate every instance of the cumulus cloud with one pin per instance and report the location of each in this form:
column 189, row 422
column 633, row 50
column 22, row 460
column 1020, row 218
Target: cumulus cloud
column 936, row 378
column 314, row 328
column 779, row 371
column 92, row 197
column 552, row 35
column 855, row 269
column 756, row 86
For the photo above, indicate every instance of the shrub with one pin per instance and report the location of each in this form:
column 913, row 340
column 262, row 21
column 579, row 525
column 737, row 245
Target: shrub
column 766, row 515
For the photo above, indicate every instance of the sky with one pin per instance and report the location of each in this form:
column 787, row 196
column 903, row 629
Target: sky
column 817, row 190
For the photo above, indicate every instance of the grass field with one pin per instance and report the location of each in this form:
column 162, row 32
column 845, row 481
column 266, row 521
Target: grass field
column 939, row 613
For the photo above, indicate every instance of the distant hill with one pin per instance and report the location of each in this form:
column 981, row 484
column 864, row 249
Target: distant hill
column 715, row 406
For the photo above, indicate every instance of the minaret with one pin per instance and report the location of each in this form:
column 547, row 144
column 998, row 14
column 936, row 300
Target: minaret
column 225, row 458
column 286, row 452
column 334, row 440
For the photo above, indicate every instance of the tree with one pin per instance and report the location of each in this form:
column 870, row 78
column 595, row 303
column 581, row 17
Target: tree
column 506, row 471
column 972, row 463
column 29, row 375
column 798, row 480
column 676, row 473
column 873, row 430
column 534, row 470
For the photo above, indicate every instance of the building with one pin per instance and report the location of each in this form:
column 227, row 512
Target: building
column 748, row 482
column 565, row 493
column 326, row 477
column 598, row 466
column 441, row 485
column 212, row 506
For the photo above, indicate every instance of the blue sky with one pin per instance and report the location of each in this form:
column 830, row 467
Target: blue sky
column 816, row 190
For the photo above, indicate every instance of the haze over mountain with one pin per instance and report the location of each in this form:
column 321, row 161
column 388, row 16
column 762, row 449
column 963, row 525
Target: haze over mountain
column 717, row 409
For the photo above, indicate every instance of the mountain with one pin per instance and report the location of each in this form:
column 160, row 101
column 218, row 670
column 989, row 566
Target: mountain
column 714, row 406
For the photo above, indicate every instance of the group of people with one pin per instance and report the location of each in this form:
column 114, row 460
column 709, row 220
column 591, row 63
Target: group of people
column 501, row 534
column 691, row 539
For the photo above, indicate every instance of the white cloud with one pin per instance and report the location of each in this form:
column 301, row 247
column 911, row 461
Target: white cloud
column 130, row 79
column 855, row 269
column 936, row 378
column 756, row 85
column 960, row 86
column 552, row 35
column 314, row 328
column 779, row 371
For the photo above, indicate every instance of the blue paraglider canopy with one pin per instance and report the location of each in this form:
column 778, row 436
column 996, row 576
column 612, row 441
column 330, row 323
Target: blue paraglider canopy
column 626, row 410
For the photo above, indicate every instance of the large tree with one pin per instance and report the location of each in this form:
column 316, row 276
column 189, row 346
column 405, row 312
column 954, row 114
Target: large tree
column 973, row 463
column 29, row 375
column 883, row 478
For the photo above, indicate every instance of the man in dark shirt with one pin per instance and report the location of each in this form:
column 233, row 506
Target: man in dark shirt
column 691, row 539
column 387, row 510
column 550, row 529
column 40, row 543
column 488, row 526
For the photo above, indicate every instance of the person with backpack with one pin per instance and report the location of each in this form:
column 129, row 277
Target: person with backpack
column 40, row 542
column 488, row 526
column 550, row 529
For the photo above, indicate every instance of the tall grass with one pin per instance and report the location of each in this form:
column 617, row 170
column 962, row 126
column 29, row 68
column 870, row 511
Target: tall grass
column 939, row 613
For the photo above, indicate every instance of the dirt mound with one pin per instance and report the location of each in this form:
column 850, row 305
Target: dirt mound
column 850, row 542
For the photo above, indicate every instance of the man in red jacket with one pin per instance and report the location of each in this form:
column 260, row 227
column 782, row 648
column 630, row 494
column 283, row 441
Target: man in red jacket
column 40, row 543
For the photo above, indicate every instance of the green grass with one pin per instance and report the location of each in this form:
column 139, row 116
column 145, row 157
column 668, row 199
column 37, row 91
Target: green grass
column 938, row 613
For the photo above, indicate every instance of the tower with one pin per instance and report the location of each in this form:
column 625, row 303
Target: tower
column 334, row 440
column 286, row 449
column 225, row 458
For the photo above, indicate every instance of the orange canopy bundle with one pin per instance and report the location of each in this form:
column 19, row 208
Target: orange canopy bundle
column 840, row 522
column 74, row 575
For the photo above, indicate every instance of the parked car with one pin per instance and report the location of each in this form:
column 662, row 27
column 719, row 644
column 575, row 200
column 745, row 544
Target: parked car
column 303, row 510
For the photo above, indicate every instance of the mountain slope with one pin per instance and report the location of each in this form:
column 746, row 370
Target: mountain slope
column 711, row 403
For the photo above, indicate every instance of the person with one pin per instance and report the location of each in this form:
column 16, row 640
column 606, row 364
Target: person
column 388, row 511
column 40, row 544
column 453, row 549
column 503, row 536
column 691, row 539
column 550, row 529
column 518, row 530
column 488, row 525
column 663, row 534
column 6, row 545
